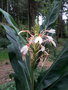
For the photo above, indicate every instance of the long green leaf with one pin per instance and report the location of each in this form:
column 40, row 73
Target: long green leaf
column 21, row 68
column 52, row 15
column 20, row 74
column 11, row 22
column 56, row 71
column 60, row 84
column 8, row 18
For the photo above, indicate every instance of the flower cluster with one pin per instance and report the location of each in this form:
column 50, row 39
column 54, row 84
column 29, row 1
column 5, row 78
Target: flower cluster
column 40, row 39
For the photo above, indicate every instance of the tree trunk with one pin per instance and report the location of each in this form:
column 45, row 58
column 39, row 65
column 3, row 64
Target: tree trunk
column 5, row 5
column 1, row 6
column 8, row 6
column 60, row 32
column 32, row 12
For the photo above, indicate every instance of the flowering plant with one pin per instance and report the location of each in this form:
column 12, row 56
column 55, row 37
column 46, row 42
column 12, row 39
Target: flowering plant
column 24, row 65
column 36, row 43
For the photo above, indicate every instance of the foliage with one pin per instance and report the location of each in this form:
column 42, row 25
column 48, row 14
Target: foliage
column 3, row 40
column 18, row 9
column 3, row 54
column 44, row 6
column 52, row 15
column 8, row 86
column 57, row 73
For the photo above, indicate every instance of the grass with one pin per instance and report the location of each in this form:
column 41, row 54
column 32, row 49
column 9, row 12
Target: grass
column 8, row 86
column 3, row 55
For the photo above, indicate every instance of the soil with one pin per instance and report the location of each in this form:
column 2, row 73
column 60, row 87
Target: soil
column 6, row 69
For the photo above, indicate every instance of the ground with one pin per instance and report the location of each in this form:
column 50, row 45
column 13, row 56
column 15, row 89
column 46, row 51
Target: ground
column 5, row 70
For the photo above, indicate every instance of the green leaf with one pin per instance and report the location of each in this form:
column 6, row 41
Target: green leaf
column 21, row 67
column 8, row 18
column 11, row 22
column 61, row 84
column 56, row 72
column 52, row 15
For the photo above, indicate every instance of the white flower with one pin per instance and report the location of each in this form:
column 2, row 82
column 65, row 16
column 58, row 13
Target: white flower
column 51, row 31
column 53, row 43
column 38, row 39
column 42, row 48
column 24, row 49
column 50, row 39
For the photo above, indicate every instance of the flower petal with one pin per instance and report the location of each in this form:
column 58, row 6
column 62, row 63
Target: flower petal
column 51, row 31
column 53, row 43
column 38, row 39
column 49, row 38
column 42, row 48
column 24, row 49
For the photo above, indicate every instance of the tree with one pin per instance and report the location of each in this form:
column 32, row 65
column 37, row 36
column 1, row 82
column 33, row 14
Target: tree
column 60, row 32
column 1, row 6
